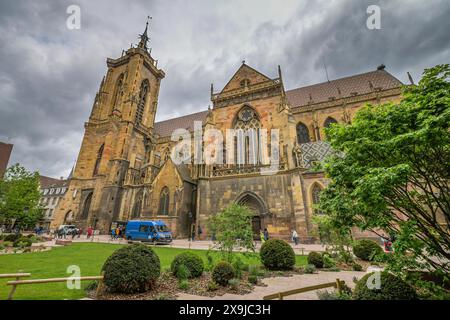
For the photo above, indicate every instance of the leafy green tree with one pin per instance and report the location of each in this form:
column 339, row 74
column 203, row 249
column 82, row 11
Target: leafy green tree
column 232, row 228
column 19, row 197
column 391, row 171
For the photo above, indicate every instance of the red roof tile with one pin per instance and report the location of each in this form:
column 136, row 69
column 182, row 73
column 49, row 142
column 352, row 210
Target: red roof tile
column 358, row 84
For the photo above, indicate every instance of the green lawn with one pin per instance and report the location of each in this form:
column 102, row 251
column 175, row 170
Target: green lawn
column 88, row 256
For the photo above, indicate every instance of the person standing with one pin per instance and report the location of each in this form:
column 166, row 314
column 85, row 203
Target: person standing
column 199, row 232
column 295, row 237
column 89, row 232
column 117, row 233
column 266, row 234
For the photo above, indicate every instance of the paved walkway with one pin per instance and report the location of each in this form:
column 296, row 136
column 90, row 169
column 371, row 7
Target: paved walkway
column 302, row 249
column 277, row 284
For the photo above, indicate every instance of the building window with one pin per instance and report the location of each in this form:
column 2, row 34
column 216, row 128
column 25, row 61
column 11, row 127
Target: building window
column 246, row 141
column 164, row 201
column 45, row 191
column 99, row 159
column 117, row 92
column 315, row 194
column 329, row 121
column 143, row 92
column 302, row 133
column 245, row 83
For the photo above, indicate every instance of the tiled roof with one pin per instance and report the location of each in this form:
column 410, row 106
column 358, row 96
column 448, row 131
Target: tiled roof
column 46, row 182
column 354, row 85
column 165, row 128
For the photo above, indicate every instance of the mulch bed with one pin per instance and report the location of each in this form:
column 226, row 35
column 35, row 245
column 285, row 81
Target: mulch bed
column 167, row 289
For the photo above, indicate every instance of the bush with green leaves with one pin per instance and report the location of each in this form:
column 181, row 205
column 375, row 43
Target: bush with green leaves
column 309, row 269
column 183, row 284
column 191, row 261
column 357, row 267
column 22, row 242
column 327, row 295
column 253, row 279
column 316, row 259
column 232, row 228
column 234, row 283
column 277, row 254
column 391, row 287
column 12, row 237
column 131, row 269
column 223, row 272
column 212, row 286
column 8, row 244
column 182, row 273
column 328, row 261
column 366, row 250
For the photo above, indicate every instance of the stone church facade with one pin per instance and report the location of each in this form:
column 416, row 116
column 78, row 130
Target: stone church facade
column 125, row 171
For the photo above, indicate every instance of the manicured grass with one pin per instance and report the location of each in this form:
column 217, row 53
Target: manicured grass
column 88, row 256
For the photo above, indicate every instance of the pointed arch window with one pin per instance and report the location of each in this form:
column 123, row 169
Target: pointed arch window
column 302, row 133
column 315, row 195
column 99, row 159
column 246, row 142
column 87, row 206
column 143, row 92
column 164, row 202
column 117, row 92
column 136, row 213
column 329, row 121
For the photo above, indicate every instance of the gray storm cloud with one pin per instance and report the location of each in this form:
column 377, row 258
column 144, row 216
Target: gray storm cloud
column 49, row 74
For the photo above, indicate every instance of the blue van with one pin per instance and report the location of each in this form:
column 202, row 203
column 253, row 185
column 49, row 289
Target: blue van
column 148, row 231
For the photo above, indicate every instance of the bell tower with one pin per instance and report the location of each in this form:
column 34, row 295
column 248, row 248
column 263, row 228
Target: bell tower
column 118, row 140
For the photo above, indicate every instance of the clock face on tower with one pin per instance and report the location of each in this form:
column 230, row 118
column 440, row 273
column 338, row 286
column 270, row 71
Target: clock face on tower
column 246, row 115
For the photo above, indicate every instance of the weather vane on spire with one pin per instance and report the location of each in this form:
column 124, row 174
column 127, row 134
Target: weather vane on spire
column 144, row 37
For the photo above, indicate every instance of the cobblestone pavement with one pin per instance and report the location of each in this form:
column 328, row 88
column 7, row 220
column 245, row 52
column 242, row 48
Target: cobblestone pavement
column 277, row 284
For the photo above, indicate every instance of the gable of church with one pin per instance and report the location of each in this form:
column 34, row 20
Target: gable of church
column 242, row 74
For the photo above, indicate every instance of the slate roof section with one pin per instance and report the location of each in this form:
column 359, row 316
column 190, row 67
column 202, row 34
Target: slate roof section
column 165, row 128
column 359, row 84
column 46, row 182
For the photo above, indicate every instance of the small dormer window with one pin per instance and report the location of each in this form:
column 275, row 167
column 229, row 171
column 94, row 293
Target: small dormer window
column 245, row 83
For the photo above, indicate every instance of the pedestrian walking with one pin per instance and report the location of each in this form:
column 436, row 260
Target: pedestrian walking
column 295, row 237
column 89, row 232
column 199, row 231
column 113, row 234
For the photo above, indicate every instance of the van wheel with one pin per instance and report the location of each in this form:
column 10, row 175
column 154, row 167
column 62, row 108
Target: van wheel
column 129, row 238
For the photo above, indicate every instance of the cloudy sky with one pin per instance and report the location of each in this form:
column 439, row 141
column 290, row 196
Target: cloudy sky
column 49, row 74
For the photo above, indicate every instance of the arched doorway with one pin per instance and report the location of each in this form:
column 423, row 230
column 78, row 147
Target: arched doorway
column 258, row 207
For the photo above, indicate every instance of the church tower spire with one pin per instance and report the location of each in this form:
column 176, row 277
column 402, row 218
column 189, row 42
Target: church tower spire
column 144, row 37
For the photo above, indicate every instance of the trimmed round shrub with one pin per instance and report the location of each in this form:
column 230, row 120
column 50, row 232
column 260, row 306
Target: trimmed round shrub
column 131, row 269
column 391, row 288
column 277, row 254
column 191, row 261
column 22, row 242
column 222, row 273
column 316, row 259
column 366, row 249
